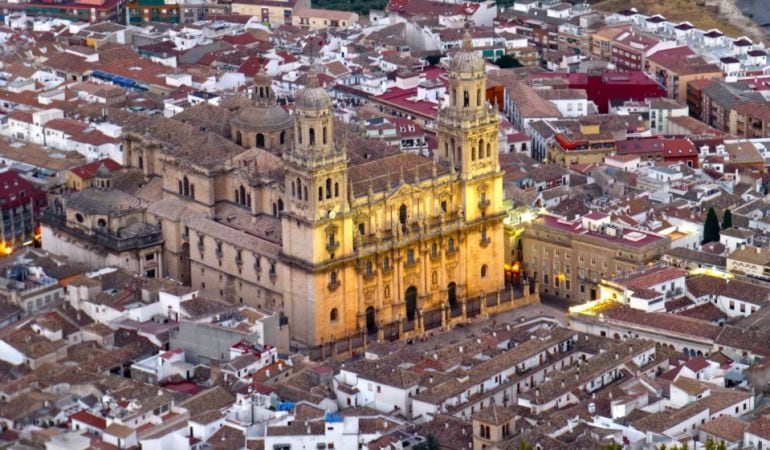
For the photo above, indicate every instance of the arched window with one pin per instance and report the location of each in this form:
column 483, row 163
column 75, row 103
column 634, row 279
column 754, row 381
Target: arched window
column 293, row 189
column 260, row 140
column 484, row 271
column 410, row 256
column 275, row 210
column 185, row 187
column 446, row 149
column 141, row 162
column 280, row 205
column 333, row 278
column 333, row 314
column 450, row 245
column 481, row 148
column 283, row 137
column 473, row 154
column 336, row 189
column 324, row 135
column 466, row 98
column 242, row 193
column 478, row 97
column 368, row 268
column 305, row 189
column 238, row 137
column 361, row 229
column 192, row 191
column 454, row 97
column 434, row 250
column 328, row 188
column 180, row 187
column 312, row 136
column 299, row 188
column 385, row 264
column 489, row 149
column 299, row 134
column 320, row 193
column 402, row 214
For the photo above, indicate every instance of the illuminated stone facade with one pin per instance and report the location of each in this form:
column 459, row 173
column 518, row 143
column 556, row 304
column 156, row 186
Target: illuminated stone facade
column 397, row 243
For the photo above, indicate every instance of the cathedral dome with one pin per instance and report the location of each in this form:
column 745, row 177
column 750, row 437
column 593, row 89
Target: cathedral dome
column 256, row 118
column 467, row 61
column 313, row 97
column 108, row 202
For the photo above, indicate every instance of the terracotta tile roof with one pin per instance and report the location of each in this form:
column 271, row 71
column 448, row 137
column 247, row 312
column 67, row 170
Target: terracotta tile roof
column 725, row 427
column 703, row 285
column 690, row 386
column 384, row 172
column 760, row 427
column 87, row 171
column 90, row 419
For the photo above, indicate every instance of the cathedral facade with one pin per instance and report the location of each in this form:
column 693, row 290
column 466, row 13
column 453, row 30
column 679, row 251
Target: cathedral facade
column 342, row 245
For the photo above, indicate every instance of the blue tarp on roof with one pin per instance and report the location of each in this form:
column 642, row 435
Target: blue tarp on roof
column 118, row 80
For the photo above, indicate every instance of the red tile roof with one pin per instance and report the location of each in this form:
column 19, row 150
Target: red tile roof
column 89, row 419
column 87, row 171
column 240, row 39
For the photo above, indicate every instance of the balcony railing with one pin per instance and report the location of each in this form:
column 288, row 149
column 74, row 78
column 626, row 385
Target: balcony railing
column 109, row 241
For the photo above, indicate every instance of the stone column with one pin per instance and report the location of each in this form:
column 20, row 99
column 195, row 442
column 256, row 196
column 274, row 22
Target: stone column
column 380, row 330
column 420, row 322
column 465, row 309
column 443, row 315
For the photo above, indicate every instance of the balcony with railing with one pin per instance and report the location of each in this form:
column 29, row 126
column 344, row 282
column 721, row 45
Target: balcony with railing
column 107, row 240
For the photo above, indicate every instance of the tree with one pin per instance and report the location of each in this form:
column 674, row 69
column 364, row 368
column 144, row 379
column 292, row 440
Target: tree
column 712, row 445
column 431, row 443
column 524, row 446
column 507, row 62
column 727, row 219
column 711, row 227
column 611, row 446
column 433, row 59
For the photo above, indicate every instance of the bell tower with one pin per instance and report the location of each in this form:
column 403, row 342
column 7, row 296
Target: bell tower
column 316, row 228
column 468, row 124
column 316, row 169
column 263, row 94
column 468, row 132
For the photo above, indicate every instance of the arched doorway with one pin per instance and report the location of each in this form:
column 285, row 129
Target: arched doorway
column 371, row 321
column 451, row 294
column 402, row 214
column 260, row 140
column 238, row 138
column 410, row 298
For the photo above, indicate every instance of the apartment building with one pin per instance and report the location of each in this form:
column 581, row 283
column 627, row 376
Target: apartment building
column 569, row 258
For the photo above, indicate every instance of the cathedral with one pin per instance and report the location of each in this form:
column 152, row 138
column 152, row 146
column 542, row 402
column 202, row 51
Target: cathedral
column 277, row 210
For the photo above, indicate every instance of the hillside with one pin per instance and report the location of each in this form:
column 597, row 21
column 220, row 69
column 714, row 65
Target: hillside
column 705, row 14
